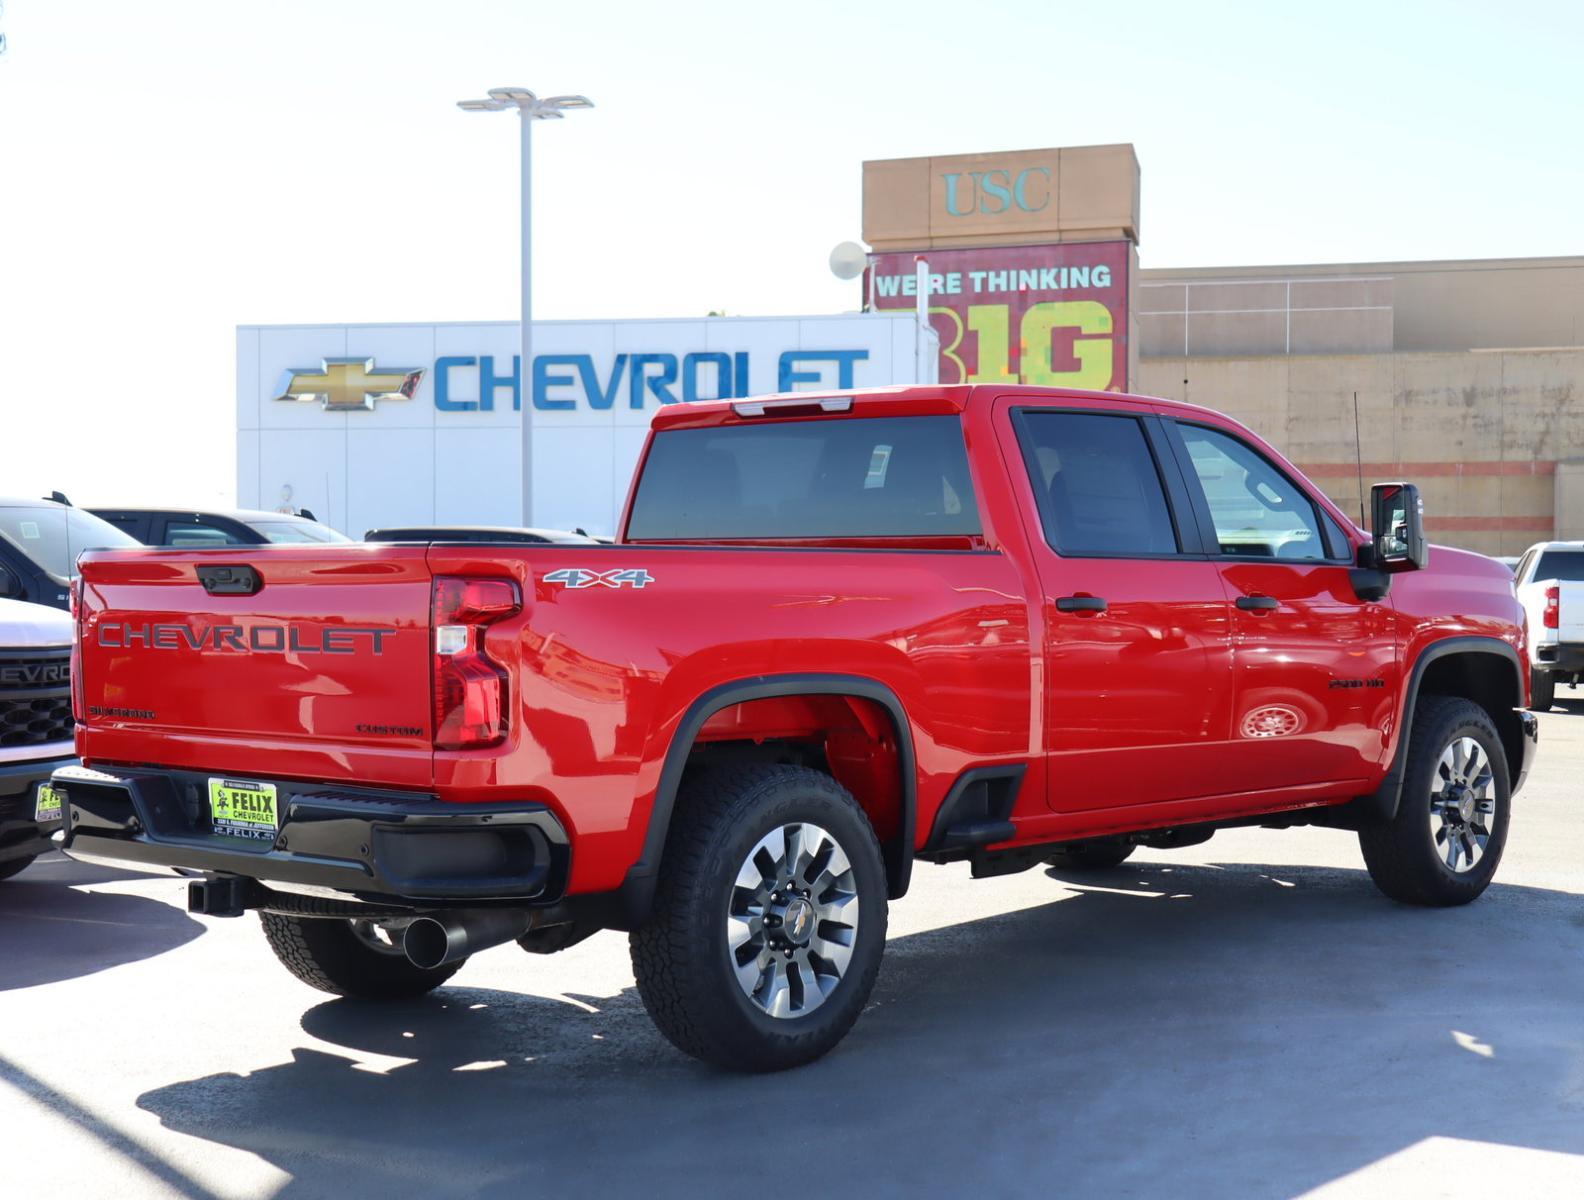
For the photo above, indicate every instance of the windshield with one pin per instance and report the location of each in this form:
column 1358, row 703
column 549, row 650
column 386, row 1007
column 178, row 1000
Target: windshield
column 1561, row 564
column 296, row 533
column 53, row 537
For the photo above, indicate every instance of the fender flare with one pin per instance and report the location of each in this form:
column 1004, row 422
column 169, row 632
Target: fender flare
column 638, row 888
column 1381, row 804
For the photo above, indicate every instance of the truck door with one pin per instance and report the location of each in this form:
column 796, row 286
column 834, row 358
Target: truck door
column 1315, row 667
column 1137, row 660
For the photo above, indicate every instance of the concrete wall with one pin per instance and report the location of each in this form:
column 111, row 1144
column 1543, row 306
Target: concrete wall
column 1481, row 433
column 1498, row 303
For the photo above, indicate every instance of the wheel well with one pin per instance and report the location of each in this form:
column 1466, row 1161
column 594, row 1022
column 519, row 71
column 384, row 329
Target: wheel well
column 1489, row 680
column 854, row 739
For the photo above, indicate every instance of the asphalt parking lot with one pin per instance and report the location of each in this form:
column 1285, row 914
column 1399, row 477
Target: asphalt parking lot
column 1247, row 1018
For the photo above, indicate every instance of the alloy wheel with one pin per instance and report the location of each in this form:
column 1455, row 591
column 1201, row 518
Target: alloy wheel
column 792, row 920
column 1462, row 805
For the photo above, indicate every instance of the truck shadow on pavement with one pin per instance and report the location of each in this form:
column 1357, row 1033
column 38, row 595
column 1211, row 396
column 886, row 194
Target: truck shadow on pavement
column 1248, row 1030
column 51, row 931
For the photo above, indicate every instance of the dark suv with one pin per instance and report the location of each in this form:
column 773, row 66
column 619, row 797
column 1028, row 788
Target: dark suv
column 233, row 527
column 39, row 544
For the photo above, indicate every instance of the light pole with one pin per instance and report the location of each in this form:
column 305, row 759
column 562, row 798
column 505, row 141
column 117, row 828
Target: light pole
column 530, row 109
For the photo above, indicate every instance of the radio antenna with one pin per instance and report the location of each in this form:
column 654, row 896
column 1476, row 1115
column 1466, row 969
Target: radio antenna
column 1358, row 459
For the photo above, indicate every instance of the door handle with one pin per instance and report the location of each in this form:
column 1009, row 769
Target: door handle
column 1257, row 603
column 1080, row 604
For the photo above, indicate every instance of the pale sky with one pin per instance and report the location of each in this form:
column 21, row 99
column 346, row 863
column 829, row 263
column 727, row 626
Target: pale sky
column 170, row 169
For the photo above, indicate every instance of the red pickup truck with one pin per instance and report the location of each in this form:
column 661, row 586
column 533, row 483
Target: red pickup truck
column 839, row 635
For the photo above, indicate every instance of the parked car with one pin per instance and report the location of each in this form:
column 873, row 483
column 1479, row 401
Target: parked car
column 232, row 527
column 39, row 544
column 1550, row 582
column 498, row 534
column 35, row 727
column 840, row 635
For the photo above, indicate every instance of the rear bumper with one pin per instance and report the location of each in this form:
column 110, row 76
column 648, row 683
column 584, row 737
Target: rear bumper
column 1565, row 658
column 398, row 847
column 20, row 835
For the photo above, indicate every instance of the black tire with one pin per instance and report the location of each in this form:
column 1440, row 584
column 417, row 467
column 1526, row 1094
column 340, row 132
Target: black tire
column 1403, row 855
column 1098, row 855
column 686, row 971
column 1542, row 690
column 325, row 953
column 16, row 866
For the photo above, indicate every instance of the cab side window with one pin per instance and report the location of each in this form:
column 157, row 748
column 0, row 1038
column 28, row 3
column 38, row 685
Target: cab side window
column 1258, row 512
column 1097, row 484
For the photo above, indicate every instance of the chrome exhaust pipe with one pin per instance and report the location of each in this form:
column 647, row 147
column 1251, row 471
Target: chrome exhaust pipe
column 435, row 940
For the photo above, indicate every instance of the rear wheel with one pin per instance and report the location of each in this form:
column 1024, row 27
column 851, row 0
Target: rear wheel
column 1099, row 855
column 349, row 958
column 1444, row 844
column 1542, row 690
column 769, row 919
column 16, row 866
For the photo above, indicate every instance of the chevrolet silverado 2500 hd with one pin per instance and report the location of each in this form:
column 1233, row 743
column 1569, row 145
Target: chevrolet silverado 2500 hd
column 839, row 635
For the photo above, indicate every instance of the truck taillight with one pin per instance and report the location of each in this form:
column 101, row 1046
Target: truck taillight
column 1553, row 608
column 75, row 667
column 472, row 702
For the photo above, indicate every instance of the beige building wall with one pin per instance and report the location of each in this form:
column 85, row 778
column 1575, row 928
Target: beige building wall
column 1487, row 436
column 1469, row 376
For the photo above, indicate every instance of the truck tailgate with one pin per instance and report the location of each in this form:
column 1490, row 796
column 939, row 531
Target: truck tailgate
column 322, row 672
column 1570, row 615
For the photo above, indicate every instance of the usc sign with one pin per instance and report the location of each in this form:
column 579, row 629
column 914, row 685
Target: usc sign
column 1050, row 315
column 992, row 192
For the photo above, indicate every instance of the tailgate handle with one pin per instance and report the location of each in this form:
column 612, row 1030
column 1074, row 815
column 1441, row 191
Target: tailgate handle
column 230, row 581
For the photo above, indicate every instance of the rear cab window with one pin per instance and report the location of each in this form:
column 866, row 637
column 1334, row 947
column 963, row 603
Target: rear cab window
column 825, row 479
column 1566, row 566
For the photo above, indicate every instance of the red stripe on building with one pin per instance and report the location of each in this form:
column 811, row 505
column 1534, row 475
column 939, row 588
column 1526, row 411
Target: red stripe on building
column 1421, row 470
column 1483, row 524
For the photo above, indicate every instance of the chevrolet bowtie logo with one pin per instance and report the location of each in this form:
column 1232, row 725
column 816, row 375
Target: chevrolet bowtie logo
column 347, row 383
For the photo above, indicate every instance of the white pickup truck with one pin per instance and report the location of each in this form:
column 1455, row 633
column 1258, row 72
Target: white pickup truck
column 1550, row 582
column 36, row 727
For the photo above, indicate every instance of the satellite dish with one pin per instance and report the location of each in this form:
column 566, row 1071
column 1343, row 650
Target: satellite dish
column 848, row 260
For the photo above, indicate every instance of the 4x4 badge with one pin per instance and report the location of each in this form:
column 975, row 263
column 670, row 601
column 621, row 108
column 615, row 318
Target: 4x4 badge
column 580, row 577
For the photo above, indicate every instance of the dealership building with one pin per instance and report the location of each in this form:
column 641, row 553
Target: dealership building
column 1464, row 377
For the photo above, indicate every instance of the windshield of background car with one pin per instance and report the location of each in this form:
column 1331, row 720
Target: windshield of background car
column 53, row 537
column 1561, row 564
column 292, row 533
column 859, row 477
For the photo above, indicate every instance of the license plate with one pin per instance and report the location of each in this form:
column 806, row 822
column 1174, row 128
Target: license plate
column 243, row 808
column 47, row 807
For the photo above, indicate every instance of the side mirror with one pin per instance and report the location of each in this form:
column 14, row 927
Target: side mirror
column 1397, row 524
column 10, row 585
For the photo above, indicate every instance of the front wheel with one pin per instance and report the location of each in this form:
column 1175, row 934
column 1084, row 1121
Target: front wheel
column 1444, row 844
column 768, row 922
column 1542, row 690
column 349, row 958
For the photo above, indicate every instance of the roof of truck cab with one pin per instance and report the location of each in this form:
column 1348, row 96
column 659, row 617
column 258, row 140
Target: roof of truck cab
column 899, row 401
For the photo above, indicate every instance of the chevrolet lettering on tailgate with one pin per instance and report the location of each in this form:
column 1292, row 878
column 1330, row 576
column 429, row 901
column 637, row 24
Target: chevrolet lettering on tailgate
column 263, row 639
